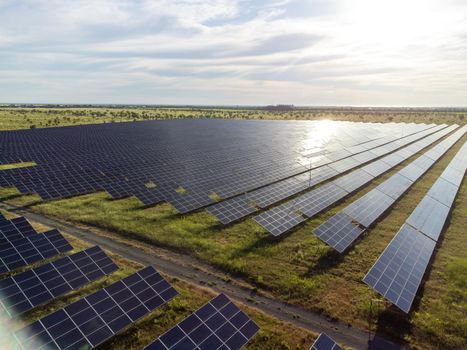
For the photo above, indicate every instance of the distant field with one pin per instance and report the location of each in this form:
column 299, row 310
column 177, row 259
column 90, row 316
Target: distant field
column 299, row 268
column 25, row 118
column 273, row 335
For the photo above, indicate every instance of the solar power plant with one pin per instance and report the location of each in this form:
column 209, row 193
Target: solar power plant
column 29, row 289
column 94, row 319
column 203, row 156
column 369, row 208
column 284, row 217
column 398, row 272
column 16, row 228
column 21, row 252
column 324, row 342
column 219, row 324
column 235, row 208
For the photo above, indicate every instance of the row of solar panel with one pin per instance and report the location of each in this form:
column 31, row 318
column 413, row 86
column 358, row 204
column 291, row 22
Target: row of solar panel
column 124, row 172
column 341, row 230
column 96, row 318
column 399, row 271
column 239, row 207
column 282, row 218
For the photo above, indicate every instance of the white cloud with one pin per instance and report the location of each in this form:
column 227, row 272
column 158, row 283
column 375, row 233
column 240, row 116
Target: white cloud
column 362, row 52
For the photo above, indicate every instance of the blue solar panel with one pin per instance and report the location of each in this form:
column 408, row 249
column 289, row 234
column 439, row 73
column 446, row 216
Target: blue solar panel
column 94, row 319
column 24, row 251
column 398, row 272
column 29, row 289
column 15, row 228
column 324, row 342
column 219, row 324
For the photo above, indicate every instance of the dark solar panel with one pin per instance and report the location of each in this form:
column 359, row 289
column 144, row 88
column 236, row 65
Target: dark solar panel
column 94, row 319
column 398, row 272
column 232, row 210
column 24, row 251
column 27, row 290
column 219, row 324
column 339, row 232
column 16, row 228
column 324, row 342
column 429, row 217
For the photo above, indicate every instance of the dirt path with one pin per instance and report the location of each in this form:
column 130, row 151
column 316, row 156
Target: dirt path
column 192, row 270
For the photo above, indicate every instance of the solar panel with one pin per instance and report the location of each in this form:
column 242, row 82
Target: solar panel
column 398, row 272
column 16, row 228
column 94, row 319
column 443, row 191
column 376, row 168
column 339, row 231
column 317, row 200
column 232, row 210
column 429, row 217
column 324, row 342
column 453, row 176
column 368, row 208
column 24, row 251
column 395, row 186
column 354, row 180
column 280, row 219
column 219, row 324
column 27, row 290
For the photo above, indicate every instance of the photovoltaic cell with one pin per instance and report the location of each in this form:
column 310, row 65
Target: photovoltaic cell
column 368, row 208
column 324, row 342
column 219, row 324
column 280, row 219
column 395, row 186
column 92, row 320
column 443, row 191
column 453, row 176
column 339, row 232
column 29, row 289
column 376, row 168
column 353, row 181
column 16, row 228
column 24, row 251
column 398, row 272
column 232, row 210
column 317, row 200
column 429, row 217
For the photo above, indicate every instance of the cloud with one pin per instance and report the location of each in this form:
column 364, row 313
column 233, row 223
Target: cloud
column 234, row 51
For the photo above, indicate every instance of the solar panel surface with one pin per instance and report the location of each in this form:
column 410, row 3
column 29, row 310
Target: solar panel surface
column 94, row 319
column 219, row 324
column 325, row 342
column 27, row 290
column 24, row 251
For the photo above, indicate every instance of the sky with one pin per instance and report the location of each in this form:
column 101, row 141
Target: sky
column 234, row 52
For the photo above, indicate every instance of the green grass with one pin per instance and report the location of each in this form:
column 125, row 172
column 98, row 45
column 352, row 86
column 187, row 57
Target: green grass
column 16, row 165
column 299, row 268
column 25, row 118
column 273, row 335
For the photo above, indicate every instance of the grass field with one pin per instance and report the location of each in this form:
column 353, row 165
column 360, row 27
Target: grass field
column 273, row 335
column 25, row 118
column 300, row 268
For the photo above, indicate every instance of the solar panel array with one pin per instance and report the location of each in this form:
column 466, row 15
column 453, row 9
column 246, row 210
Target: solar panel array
column 284, row 217
column 20, row 252
column 94, row 319
column 324, row 342
column 399, row 271
column 219, row 324
column 237, row 208
column 339, row 232
column 27, row 290
column 204, row 157
column 15, row 228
